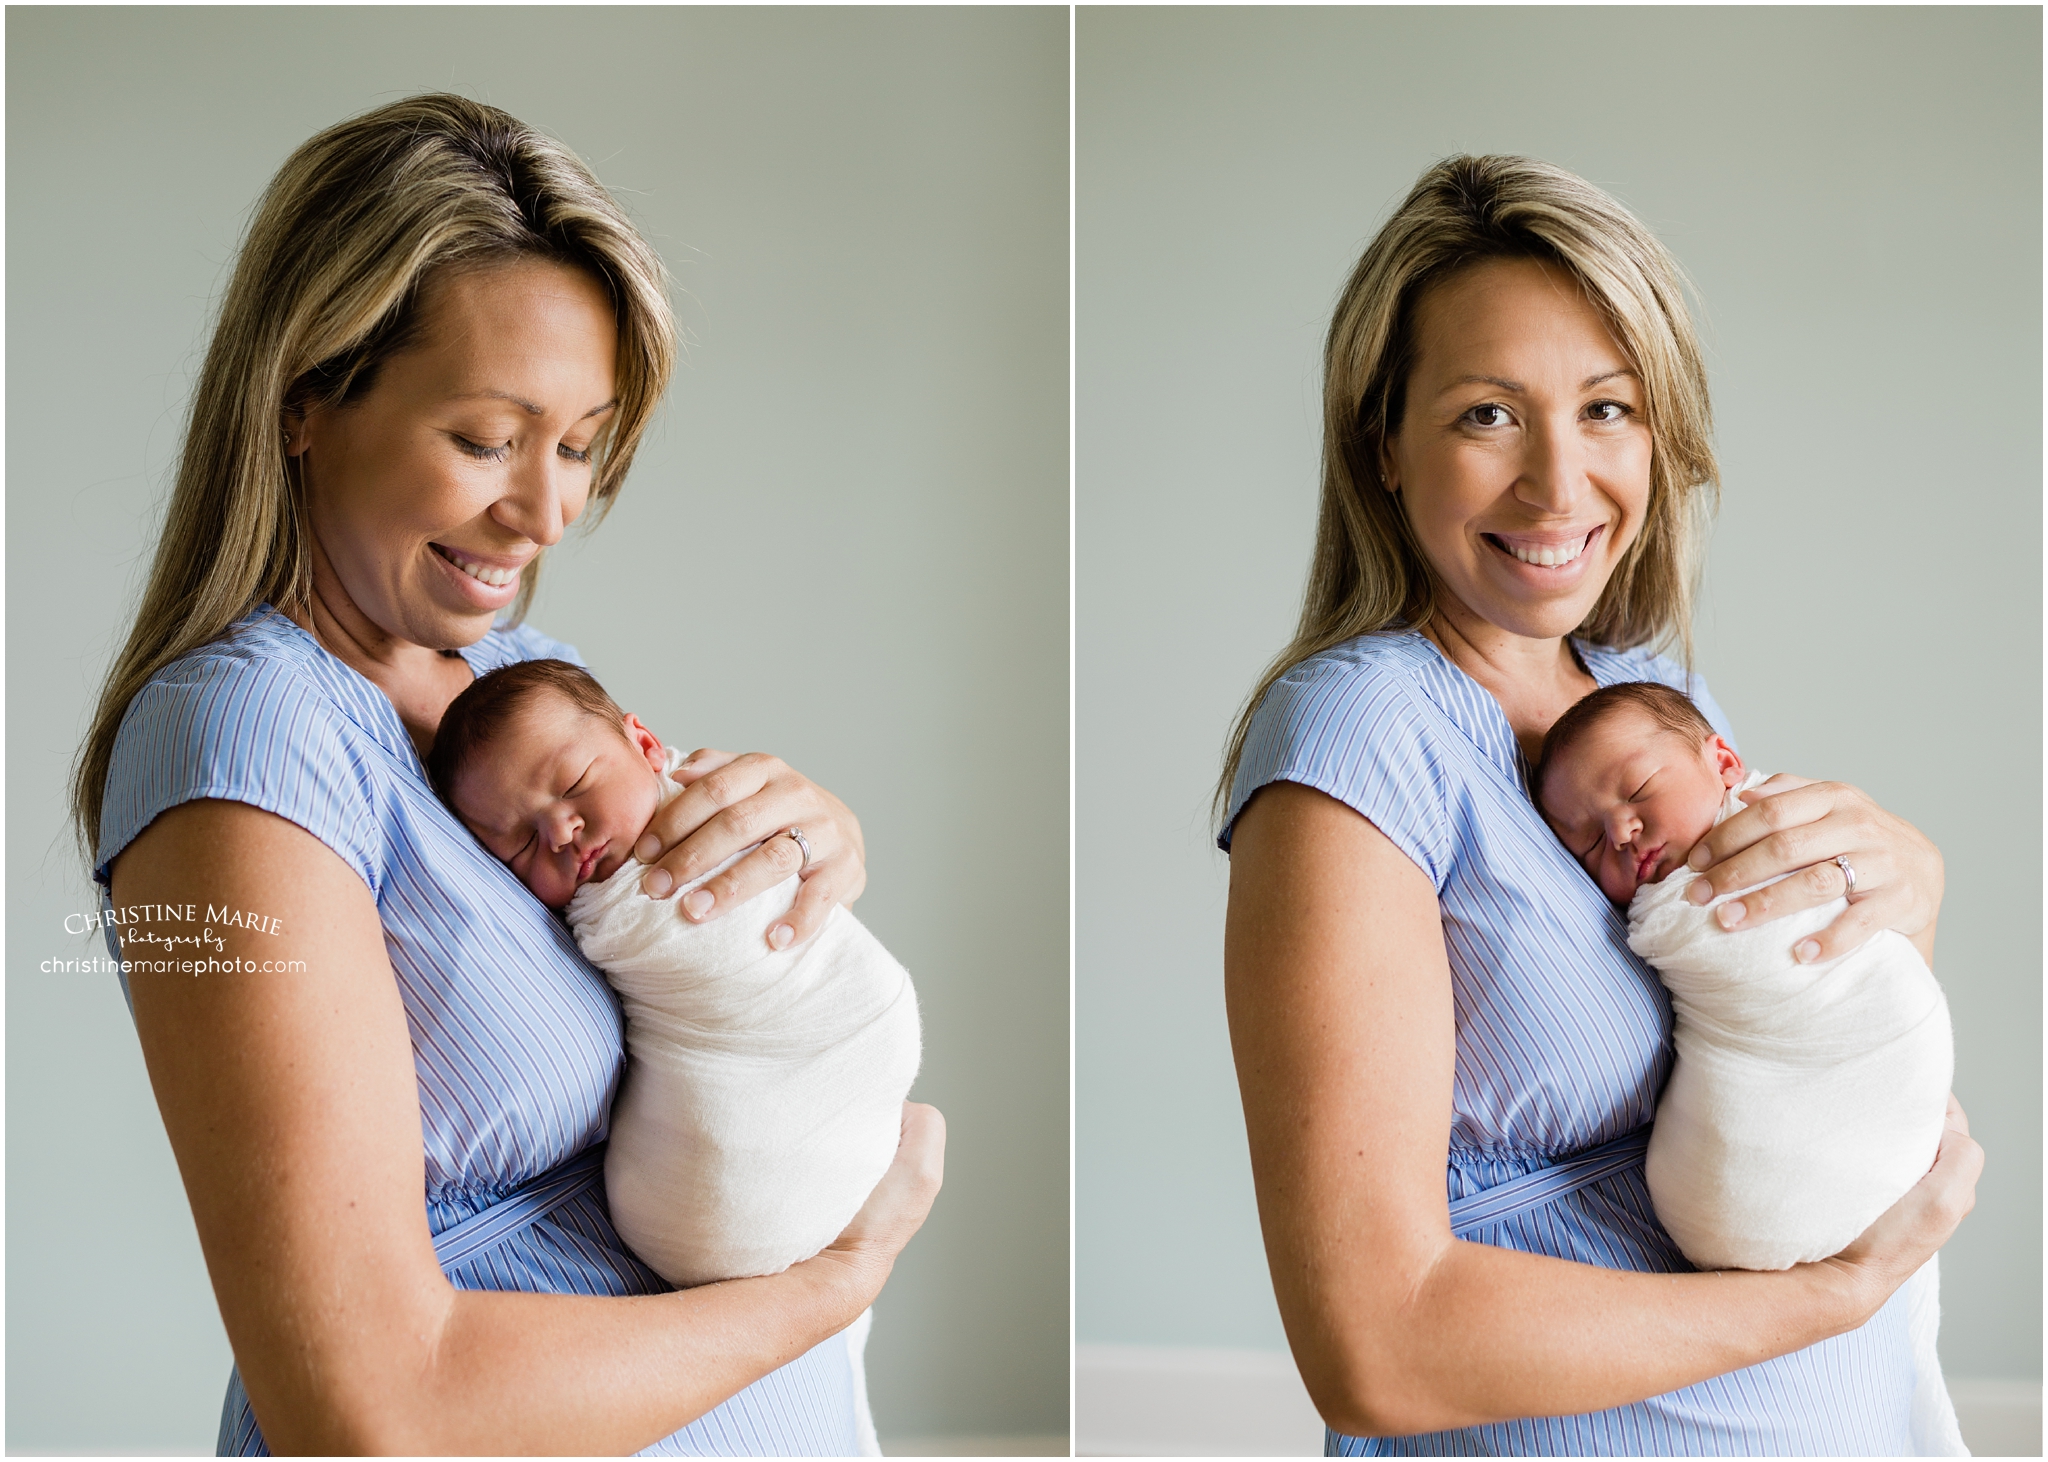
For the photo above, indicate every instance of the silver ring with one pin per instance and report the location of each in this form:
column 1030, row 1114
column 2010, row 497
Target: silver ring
column 1848, row 873
column 805, row 843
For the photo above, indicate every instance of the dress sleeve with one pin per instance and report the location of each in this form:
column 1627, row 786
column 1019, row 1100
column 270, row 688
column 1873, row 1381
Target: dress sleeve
column 1357, row 733
column 243, row 729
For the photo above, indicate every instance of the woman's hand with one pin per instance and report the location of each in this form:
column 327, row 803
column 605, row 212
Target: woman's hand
column 729, row 802
column 1906, row 1235
column 1794, row 825
column 897, row 1208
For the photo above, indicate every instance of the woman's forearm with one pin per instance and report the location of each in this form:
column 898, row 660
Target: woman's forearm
column 1489, row 1334
column 569, row 1374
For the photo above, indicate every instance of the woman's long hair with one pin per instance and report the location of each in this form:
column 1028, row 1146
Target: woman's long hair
column 1369, row 573
column 328, row 287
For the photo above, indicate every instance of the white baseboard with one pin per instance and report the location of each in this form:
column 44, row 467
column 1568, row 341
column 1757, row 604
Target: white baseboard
column 1173, row 1401
column 1176, row 1401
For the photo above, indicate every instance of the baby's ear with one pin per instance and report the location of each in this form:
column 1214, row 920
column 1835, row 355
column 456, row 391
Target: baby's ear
column 645, row 742
column 1726, row 760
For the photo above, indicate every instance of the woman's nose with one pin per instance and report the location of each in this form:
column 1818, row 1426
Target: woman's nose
column 1554, row 475
column 542, row 500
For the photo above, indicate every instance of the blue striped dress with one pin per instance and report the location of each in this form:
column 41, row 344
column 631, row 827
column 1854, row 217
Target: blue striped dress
column 517, row 1040
column 1563, row 1044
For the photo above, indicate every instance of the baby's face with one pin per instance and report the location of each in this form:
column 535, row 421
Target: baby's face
column 1630, row 798
column 560, row 796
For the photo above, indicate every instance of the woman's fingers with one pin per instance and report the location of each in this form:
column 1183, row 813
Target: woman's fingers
column 1905, row 1234
column 1773, row 834
column 700, row 763
column 1799, row 835
column 723, row 793
column 839, row 881
column 734, row 803
column 897, row 1207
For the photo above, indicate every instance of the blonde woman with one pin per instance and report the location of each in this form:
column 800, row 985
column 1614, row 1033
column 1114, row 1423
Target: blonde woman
column 1447, row 1054
column 441, row 344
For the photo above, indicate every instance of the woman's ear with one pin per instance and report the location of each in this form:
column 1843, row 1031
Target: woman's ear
column 1388, row 477
column 297, row 434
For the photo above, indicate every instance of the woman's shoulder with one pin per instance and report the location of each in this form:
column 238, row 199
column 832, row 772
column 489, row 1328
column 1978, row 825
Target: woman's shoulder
column 1356, row 722
column 1370, row 677
column 255, row 717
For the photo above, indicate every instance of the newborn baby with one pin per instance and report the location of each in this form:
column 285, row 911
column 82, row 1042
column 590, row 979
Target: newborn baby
column 764, row 1089
column 1806, row 1098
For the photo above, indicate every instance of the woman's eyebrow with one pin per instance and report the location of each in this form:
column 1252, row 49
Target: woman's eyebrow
column 1479, row 380
column 1506, row 385
column 527, row 406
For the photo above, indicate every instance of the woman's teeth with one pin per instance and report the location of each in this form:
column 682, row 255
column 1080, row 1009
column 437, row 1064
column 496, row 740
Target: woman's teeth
column 1547, row 557
column 482, row 573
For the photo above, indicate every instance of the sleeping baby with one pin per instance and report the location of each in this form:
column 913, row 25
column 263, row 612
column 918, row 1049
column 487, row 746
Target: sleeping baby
column 1805, row 1098
column 764, row 1089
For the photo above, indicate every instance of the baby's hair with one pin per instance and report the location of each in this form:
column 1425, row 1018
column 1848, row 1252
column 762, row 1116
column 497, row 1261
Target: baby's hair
column 483, row 710
column 1672, row 710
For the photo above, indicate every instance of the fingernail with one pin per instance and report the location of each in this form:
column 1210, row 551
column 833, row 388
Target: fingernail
column 1697, row 858
column 1807, row 951
column 648, row 849
column 1701, row 892
column 658, row 884
column 1731, row 914
column 780, row 936
column 697, row 902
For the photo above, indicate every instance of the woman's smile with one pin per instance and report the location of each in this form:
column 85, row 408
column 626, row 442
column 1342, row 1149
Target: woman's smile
column 484, row 582
column 1556, row 557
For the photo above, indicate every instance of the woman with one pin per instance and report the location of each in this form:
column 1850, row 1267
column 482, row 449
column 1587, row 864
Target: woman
column 1516, row 473
column 442, row 340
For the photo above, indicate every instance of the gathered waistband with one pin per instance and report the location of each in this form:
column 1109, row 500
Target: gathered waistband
column 1517, row 1196
column 519, row 1208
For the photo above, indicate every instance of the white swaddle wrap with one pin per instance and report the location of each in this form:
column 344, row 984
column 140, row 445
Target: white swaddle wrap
column 763, row 1095
column 1805, row 1099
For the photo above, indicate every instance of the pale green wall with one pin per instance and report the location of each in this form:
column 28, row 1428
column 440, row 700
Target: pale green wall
column 845, row 541
column 1858, row 194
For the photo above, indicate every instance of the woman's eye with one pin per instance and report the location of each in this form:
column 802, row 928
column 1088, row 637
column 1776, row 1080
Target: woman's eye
column 481, row 452
column 1608, row 411
column 1488, row 415
column 572, row 454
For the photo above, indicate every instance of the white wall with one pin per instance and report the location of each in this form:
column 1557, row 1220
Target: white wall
column 1857, row 194
column 844, row 542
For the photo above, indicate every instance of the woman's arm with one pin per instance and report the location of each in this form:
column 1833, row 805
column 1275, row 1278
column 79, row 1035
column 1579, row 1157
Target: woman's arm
column 1340, row 1016
column 1794, row 825
column 292, row 1105
column 729, row 802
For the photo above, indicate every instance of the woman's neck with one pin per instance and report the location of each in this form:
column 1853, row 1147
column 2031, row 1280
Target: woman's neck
column 1534, row 680
column 419, row 681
